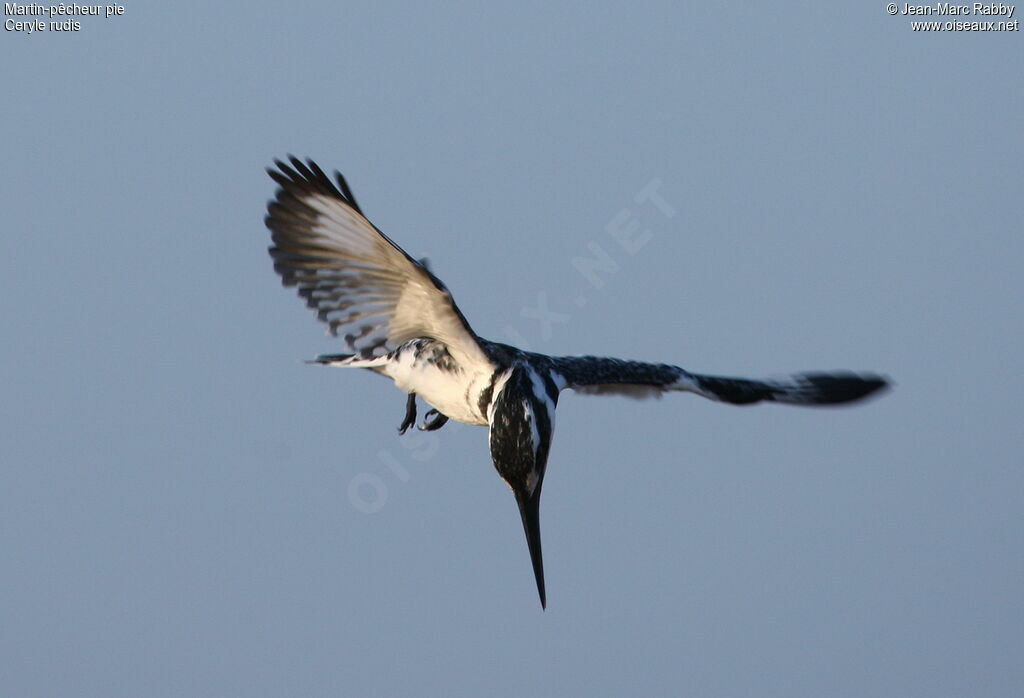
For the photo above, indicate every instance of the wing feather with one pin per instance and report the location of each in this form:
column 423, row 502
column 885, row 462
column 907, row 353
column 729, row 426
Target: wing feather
column 598, row 376
column 364, row 286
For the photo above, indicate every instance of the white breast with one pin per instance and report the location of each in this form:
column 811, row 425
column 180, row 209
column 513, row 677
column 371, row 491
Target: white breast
column 455, row 393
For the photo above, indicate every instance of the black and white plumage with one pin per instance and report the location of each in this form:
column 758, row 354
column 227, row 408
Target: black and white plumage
column 399, row 320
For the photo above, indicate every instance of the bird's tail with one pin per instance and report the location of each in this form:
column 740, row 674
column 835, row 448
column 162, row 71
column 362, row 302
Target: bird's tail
column 351, row 360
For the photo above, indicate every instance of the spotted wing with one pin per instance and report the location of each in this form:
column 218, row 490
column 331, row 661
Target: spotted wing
column 598, row 376
column 364, row 286
column 593, row 375
column 811, row 389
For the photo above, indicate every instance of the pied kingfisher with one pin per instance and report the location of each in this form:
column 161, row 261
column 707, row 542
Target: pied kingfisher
column 400, row 321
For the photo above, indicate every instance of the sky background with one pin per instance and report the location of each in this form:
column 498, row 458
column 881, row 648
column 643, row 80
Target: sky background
column 186, row 509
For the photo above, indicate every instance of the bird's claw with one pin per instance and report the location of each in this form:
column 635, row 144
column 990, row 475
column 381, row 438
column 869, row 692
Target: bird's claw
column 410, row 414
column 433, row 421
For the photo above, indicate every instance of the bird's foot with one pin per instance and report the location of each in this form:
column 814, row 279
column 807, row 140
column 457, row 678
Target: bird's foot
column 410, row 414
column 433, row 421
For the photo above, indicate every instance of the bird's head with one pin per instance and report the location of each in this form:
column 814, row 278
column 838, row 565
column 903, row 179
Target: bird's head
column 522, row 421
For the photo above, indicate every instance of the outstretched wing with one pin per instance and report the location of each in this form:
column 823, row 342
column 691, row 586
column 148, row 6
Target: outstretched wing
column 593, row 375
column 363, row 285
column 800, row 389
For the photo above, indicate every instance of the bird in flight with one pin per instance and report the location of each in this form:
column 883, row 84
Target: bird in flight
column 399, row 320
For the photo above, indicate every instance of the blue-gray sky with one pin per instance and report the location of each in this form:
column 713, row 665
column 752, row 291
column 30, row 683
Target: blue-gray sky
column 183, row 503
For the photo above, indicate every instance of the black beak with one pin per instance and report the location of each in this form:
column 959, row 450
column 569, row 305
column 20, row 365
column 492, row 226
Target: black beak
column 529, row 509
